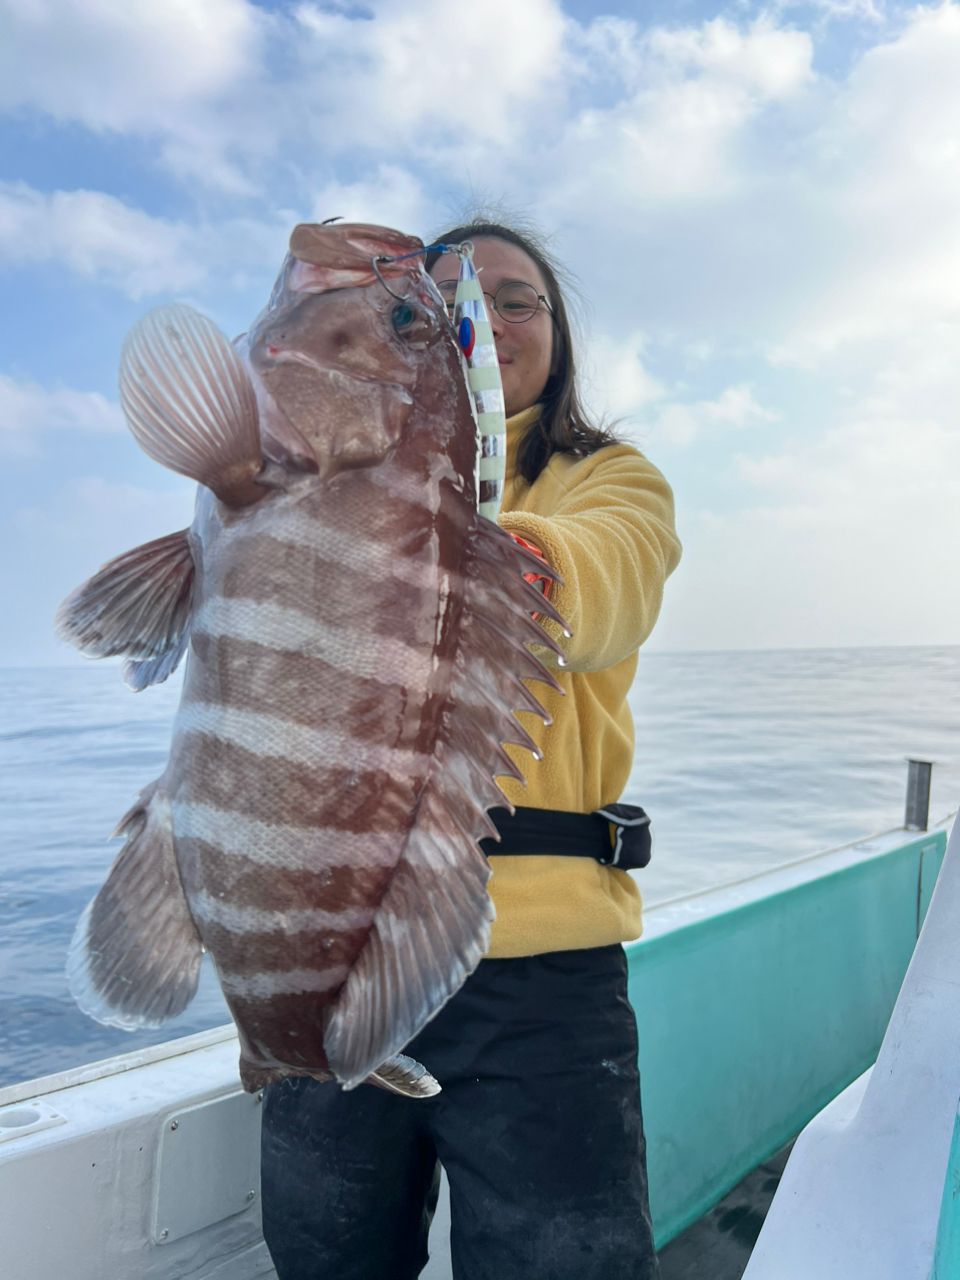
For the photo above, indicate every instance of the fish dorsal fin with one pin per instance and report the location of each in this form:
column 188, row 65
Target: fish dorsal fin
column 190, row 403
column 432, row 927
column 137, row 605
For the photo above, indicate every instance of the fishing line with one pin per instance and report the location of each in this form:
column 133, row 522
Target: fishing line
column 462, row 250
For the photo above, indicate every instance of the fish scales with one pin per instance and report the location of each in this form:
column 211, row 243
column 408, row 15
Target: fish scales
column 356, row 636
column 270, row 789
column 398, row 643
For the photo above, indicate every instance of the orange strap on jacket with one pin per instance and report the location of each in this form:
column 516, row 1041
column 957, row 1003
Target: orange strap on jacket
column 539, row 580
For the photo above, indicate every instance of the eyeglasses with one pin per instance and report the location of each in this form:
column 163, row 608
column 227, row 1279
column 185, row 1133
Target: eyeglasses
column 514, row 301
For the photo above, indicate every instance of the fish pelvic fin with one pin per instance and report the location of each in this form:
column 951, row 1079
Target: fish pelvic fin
column 432, row 927
column 405, row 1076
column 138, row 605
column 190, row 402
column 135, row 956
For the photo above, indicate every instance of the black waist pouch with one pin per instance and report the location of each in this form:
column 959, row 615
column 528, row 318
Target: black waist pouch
column 617, row 835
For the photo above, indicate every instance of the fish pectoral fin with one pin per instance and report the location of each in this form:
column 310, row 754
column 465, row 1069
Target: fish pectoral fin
column 190, row 402
column 405, row 1076
column 135, row 956
column 137, row 605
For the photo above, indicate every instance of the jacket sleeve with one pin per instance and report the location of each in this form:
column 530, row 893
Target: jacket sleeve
column 613, row 541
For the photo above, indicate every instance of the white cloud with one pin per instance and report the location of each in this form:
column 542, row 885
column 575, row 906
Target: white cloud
column 685, row 94
column 127, row 66
column 765, row 60
column 896, row 449
column 404, row 69
column 28, row 411
column 391, row 197
column 100, row 238
column 872, row 11
column 235, row 93
column 876, row 219
column 841, row 537
column 618, row 382
column 680, row 423
column 615, row 377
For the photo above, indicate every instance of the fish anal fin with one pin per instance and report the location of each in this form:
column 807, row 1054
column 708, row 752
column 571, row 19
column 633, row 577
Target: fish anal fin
column 138, row 605
column 432, row 927
column 429, row 934
column 190, row 402
column 135, row 957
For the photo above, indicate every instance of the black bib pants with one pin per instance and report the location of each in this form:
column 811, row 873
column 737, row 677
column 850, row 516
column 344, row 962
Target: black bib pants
column 538, row 1127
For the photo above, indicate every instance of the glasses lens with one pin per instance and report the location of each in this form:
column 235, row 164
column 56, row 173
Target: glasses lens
column 516, row 302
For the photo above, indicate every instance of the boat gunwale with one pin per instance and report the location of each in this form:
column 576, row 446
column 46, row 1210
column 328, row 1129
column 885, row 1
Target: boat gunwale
column 86, row 1073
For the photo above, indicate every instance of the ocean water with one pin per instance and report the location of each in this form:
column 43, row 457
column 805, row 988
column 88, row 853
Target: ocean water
column 744, row 760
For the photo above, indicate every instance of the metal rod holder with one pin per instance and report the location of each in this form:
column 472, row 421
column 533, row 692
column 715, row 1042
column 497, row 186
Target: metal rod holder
column 917, row 813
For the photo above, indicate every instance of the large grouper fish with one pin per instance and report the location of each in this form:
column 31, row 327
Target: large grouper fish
column 357, row 639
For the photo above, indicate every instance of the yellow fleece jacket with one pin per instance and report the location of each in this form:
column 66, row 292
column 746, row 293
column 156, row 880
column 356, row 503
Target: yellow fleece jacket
column 605, row 523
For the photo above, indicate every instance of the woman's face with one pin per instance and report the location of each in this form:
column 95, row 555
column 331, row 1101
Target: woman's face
column 525, row 351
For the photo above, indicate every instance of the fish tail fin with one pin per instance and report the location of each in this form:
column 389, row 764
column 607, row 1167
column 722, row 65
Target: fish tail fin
column 190, row 403
column 135, row 957
column 137, row 605
column 432, row 926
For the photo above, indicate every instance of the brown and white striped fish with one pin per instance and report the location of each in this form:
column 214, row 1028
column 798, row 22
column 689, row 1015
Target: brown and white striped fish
column 357, row 644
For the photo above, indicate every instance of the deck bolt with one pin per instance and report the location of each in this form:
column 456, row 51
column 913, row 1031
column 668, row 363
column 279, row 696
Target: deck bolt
column 251, row 1195
column 260, row 1096
column 164, row 1233
column 174, row 1124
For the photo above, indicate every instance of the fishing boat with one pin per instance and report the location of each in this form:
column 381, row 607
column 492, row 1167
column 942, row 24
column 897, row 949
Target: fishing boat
column 762, row 1006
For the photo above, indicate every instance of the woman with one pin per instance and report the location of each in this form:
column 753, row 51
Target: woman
column 539, row 1124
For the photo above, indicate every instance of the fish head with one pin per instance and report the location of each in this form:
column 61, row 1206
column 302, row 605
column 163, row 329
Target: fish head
column 352, row 342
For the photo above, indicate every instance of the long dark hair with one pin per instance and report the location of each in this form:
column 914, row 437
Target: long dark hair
column 564, row 426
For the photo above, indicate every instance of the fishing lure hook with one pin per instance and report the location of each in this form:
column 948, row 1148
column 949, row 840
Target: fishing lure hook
column 375, row 262
column 463, row 250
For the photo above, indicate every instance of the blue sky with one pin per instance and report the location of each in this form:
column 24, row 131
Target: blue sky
column 761, row 205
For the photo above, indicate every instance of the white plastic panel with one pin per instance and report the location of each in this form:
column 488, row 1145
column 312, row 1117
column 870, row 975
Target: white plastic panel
column 208, row 1165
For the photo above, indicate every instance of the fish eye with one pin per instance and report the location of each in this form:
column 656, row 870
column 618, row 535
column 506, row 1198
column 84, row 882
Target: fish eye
column 402, row 317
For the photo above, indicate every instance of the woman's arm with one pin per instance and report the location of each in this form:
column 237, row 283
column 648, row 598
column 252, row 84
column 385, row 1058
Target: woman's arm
column 612, row 539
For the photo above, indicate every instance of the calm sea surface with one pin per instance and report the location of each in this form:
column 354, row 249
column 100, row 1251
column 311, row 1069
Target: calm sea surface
column 744, row 760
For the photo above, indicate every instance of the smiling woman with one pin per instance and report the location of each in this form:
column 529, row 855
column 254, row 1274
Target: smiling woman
column 539, row 1124
column 536, row 353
